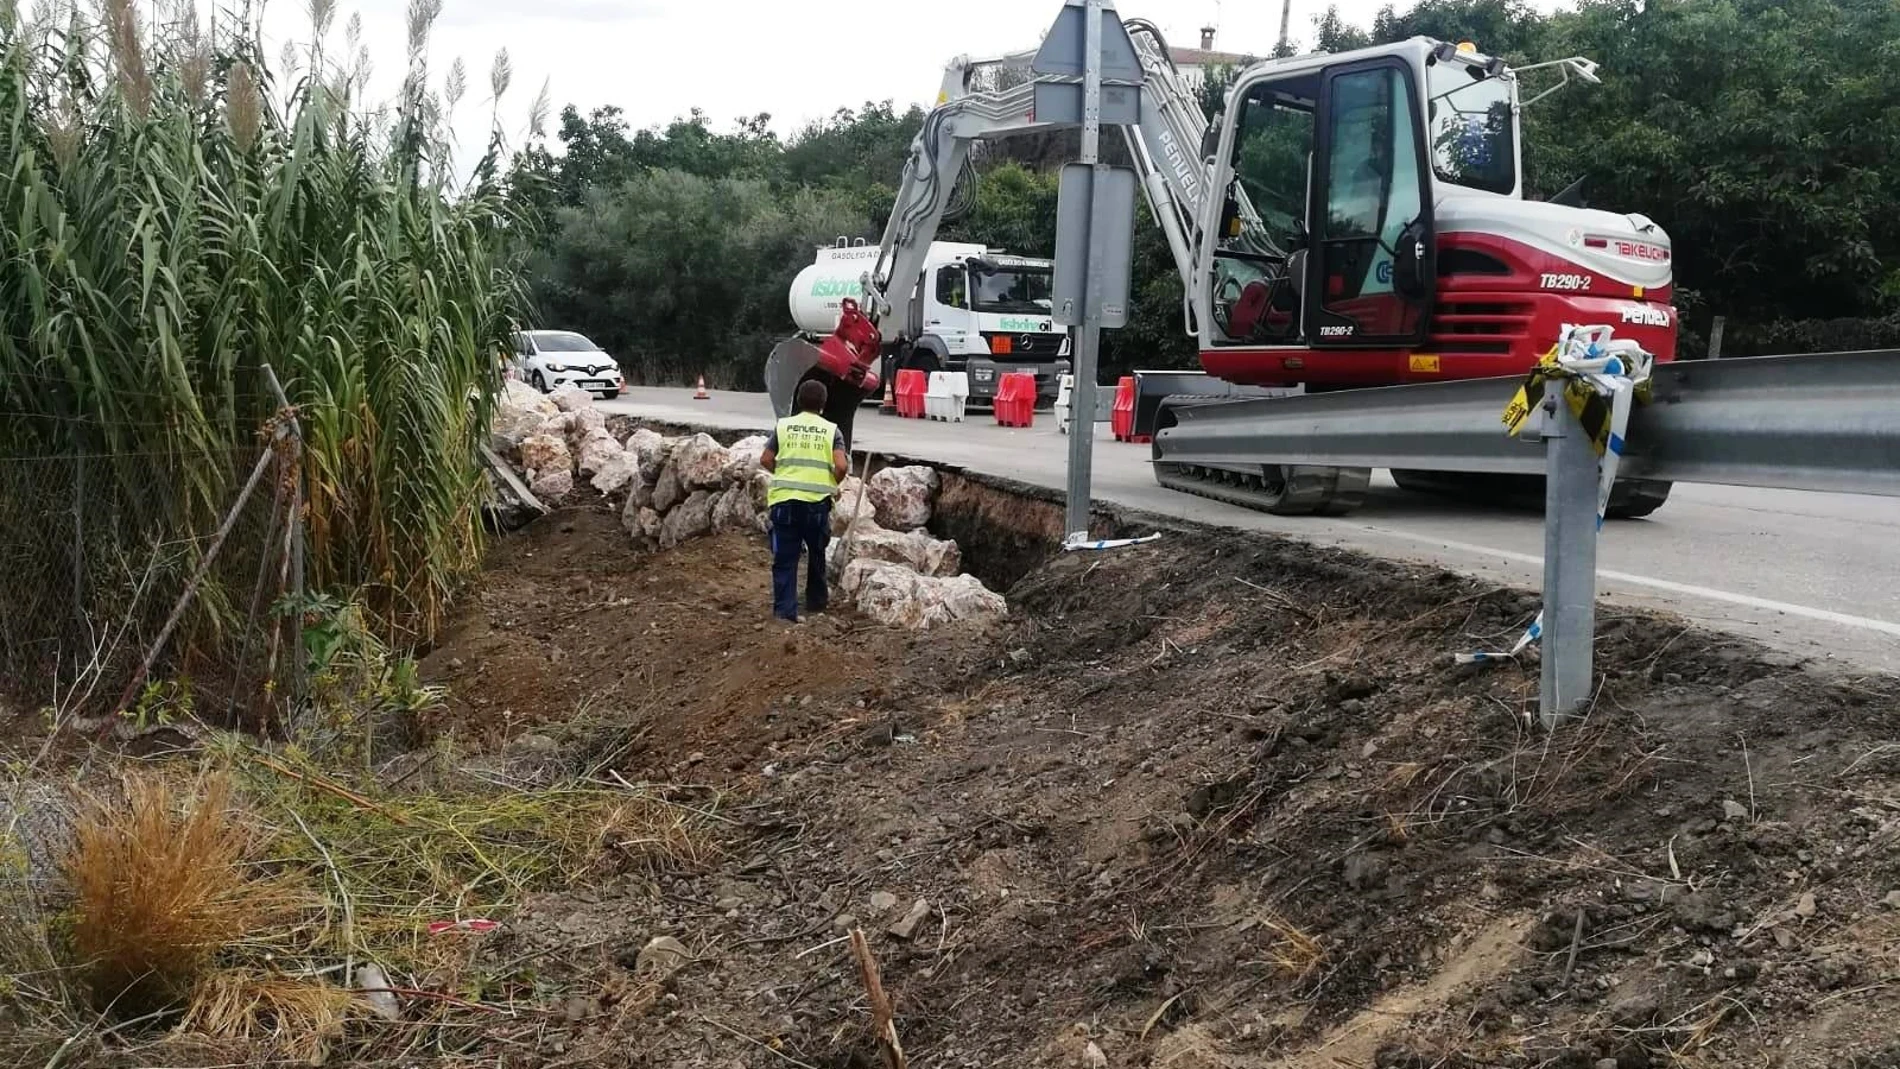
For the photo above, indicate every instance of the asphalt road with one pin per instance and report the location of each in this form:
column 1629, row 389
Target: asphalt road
column 1812, row 574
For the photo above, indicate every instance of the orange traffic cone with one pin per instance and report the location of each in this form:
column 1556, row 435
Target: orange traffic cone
column 699, row 392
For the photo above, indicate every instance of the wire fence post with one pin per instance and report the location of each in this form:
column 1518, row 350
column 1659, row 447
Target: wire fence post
column 295, row 520
column 298, row 684
column 79, row 536
column 1570, row 562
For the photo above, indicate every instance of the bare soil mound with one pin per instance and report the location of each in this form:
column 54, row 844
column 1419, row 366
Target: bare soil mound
column 1215, row 801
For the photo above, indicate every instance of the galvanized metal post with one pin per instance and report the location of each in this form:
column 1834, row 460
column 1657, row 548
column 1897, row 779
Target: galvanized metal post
column 1715, row 337
column 1088, row 337
column 1570, row 562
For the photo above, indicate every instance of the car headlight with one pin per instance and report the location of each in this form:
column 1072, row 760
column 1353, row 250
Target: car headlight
column 557, row 368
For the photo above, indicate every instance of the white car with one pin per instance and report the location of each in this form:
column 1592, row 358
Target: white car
column 550, row 359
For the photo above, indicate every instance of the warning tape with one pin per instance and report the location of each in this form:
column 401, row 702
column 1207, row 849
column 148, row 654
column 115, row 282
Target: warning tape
column 1600, row 378
column 1075, row 542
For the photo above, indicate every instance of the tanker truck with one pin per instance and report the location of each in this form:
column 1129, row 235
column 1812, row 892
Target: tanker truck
column 972, row 309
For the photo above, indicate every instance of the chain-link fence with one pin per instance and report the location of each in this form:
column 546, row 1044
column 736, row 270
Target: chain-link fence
column 150, row 584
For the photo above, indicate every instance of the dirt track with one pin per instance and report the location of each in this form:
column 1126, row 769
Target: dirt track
column 1218, row 801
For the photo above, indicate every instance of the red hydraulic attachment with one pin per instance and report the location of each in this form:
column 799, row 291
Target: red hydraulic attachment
column 851, row 350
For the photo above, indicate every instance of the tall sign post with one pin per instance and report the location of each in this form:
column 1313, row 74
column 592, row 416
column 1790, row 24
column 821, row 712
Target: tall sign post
column 1087, row 72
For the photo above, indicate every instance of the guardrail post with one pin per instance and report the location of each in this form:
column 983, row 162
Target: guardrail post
column 1570, row 561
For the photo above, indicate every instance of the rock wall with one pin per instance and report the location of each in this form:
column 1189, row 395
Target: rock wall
column 560, row 443
column 696, row 487
column 685, row 486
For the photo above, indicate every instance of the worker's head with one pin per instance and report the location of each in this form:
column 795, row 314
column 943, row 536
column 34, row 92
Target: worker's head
column 811, row 396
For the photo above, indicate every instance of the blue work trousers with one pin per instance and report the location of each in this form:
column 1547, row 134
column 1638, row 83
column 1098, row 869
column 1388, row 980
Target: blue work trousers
column 799, row 525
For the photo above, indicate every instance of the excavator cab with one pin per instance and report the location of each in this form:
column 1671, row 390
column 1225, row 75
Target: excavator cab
column 1332, row 154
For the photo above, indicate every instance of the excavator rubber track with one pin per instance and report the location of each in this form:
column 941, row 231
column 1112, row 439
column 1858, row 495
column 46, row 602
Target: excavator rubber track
column 1282, row 491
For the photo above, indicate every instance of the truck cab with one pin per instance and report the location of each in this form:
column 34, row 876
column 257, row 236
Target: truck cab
column 973, row 309
column 986, row 314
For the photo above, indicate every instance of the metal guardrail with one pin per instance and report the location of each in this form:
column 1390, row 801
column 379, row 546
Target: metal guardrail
column 1824, row 421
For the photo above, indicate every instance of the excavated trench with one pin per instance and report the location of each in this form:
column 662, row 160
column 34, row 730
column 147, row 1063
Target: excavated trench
column 1224, row 800
column 1006, row 529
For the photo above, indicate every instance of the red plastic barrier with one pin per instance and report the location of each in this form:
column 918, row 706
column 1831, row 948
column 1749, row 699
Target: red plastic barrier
column 1122, row 421
column 1016, row 400
column 911, row 384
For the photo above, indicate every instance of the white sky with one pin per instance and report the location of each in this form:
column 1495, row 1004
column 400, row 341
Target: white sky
column 797, row 59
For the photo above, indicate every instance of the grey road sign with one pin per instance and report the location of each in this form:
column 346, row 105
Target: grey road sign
column 1095, row 228
column 1064, row 51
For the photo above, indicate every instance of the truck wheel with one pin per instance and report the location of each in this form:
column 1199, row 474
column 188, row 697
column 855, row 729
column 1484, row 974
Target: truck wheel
column 1633, row 499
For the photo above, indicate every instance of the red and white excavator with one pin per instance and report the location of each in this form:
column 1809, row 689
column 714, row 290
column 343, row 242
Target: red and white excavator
column 1354, row 220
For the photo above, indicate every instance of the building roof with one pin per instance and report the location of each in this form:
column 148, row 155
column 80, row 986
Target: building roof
column 1198, row 57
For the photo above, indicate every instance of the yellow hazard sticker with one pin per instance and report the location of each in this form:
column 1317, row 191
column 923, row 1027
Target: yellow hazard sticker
column 1530, row 394
column 1591, row 408
column 1425, row 365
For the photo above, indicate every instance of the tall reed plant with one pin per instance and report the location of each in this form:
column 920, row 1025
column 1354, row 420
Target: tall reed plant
column 174, row 215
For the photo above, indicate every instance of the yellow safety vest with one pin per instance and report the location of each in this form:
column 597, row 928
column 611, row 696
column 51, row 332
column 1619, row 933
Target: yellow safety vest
column 804, row 471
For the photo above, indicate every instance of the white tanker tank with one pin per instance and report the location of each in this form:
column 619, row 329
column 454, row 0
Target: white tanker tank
column 818, row 289
column 838, row 273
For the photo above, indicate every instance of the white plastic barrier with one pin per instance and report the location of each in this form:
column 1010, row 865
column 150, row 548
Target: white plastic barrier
column 947, row 395
column 1104, row 402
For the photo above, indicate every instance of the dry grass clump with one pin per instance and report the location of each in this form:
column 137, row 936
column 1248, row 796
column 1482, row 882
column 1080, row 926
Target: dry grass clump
column 228, row 904
column 645, row 834
column 279, row 1016
column 1294, row 951
column 160, row 886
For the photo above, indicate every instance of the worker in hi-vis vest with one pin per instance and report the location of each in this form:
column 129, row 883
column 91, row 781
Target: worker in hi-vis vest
column 807, row 458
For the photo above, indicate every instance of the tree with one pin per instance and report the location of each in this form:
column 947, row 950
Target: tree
column 1015, row 209
column 1759, row 134
column 677, row 274
column 1332, row 33
column 1211, row 92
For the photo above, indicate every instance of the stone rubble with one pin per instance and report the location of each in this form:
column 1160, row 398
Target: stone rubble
column 571, row 399
column 903, row 496
column 616, row 472
column 916, row 550
column 595, row 451
column 700, row 462
column 742, row 457
column 896, row 596
column 652, row 448
column 551, row 487
column 549, row 467
column 519, row 412
column 693, row 517
column 852, row 505
column 882, row 559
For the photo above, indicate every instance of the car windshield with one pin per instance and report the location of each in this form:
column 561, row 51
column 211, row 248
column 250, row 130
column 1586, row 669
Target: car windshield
column 1474, row 140
column 1012, row 290
column 560, row 341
